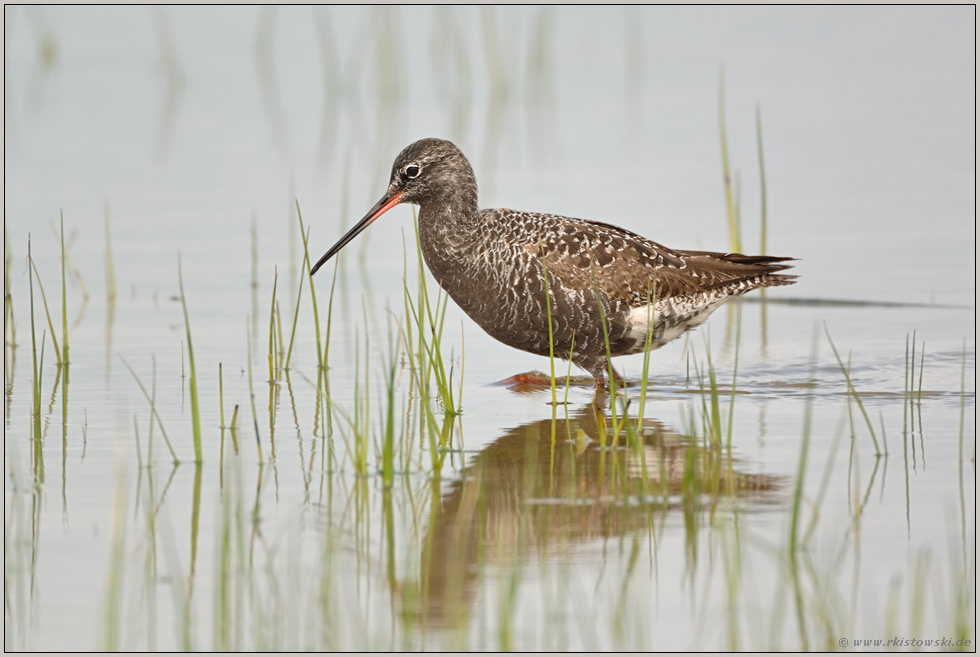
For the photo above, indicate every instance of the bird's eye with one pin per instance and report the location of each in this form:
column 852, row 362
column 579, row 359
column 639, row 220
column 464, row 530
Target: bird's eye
column 411, row 171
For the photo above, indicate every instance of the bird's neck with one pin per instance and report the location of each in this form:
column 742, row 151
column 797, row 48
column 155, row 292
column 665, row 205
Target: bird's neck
column 452, row 213
column 448, row 228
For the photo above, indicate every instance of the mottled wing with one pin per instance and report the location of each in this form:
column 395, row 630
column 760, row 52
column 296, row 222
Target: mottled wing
column 628, row 268
column 721, row 270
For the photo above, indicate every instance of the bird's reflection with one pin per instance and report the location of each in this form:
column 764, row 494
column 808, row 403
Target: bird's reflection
column 549, row 485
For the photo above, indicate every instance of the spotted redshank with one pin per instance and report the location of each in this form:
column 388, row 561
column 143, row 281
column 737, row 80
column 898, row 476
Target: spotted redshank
column 494, row 263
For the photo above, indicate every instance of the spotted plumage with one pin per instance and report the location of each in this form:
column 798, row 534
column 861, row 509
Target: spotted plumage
column 493, row 263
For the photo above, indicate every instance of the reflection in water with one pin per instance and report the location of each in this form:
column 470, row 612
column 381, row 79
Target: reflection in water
column 9, row 361
column 557, row 483
column 22, row 526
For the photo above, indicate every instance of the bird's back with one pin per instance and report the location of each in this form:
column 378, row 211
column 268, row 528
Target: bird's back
column 495, row 270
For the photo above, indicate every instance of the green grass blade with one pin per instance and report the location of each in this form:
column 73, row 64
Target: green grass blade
column 195, row 409
column 64, row 297
column 853, row 392
column 251, row 392
column 153, row 411
column 551, row 336
column 110, row 275
column 44, row 301
column 272, row 329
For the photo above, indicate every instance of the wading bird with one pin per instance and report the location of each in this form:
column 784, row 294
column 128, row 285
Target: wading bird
column 494, row 264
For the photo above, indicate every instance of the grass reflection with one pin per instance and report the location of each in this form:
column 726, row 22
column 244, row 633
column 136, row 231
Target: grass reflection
column 550, row 485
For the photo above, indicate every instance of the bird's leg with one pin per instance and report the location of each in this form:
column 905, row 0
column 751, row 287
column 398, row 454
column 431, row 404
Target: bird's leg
column 618, row 378
column 598, row 367
column 599, row 399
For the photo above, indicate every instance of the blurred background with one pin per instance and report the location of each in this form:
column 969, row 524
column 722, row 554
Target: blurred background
column 190, row 121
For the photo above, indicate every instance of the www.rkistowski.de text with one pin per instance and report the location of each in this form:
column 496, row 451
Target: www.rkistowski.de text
column 898, row 642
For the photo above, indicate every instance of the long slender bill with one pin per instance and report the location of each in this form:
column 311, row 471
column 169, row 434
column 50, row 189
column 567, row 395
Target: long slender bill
column 379, row 209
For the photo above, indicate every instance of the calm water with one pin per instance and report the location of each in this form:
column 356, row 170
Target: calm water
column 192, row 128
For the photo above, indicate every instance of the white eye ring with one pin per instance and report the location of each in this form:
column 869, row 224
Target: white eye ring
column 412, row 171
